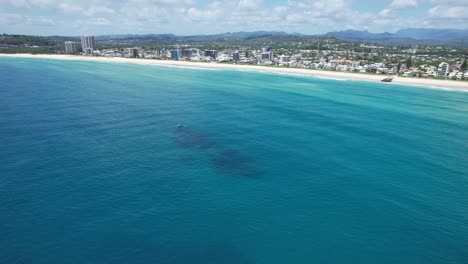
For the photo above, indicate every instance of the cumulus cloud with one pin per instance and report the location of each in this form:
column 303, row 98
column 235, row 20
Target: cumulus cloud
column 449, row 12
column 98, row 21
column 10, row 19
column 196, row 16
column 16, row 19
column 449, row 9
column 250, row 4
column 399, row 4
column 447, row 2
column 83, row 7
column 392, row 11
column 93, row 10
column 16, row 3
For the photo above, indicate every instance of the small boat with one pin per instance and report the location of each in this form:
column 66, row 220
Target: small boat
column 389, row 79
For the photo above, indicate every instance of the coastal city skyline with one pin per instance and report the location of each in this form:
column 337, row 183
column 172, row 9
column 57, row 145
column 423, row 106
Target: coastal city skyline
column 189, row 17
column 321, row 54
column 234, row 131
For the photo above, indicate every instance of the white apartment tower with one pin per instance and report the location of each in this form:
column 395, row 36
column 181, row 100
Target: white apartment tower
column 88, row 44
column 267, row 54
column 443, row 69
column 70, row 47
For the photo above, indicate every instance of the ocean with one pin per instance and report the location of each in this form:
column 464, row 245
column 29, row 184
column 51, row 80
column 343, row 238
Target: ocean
column 120, row 163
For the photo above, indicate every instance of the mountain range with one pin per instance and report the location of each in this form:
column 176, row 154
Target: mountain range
column 408, row 36
column 404, row 37
column 449, row 36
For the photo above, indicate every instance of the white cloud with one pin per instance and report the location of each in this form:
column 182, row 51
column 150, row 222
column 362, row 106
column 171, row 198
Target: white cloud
column 154, row 13
column 197, row 16
column 386, row 12
column 161, row 3
column 17, row 3
column 93, row 10
column 10, row 19
column 250, row 4
column 448, row 2
column 17, row 19
column 98, row 21
column 393, row 10
column 450, row 12
column 400, row 4
column 86, row 7
column 69, row 8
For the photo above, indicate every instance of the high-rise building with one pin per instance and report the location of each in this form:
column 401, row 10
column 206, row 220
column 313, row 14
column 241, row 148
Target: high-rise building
column 236, row 56
column 267, row 53
column 71, row 47
column 175, row 54
column 443, row 69
column 284, row 59
column 131, row 52
column 191, row 52
column 187, row 53
column 163, row 53
column 266, row 56
column 211, row 53
column 88, row 44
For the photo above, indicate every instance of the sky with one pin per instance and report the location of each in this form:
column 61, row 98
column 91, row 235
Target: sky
column 193, row 17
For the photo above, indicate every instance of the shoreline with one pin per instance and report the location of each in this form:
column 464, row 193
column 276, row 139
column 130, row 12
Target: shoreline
column 425, row 83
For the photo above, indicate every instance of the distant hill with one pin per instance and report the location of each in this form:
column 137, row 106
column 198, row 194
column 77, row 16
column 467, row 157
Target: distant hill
column 406, row 36
column 359, row 35
column 244, row 34
column 434, row 34
column 196, row 38
column 409, row 36
column 276, row 39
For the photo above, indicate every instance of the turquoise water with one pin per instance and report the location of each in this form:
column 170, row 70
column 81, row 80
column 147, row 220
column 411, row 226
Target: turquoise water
column 114, row 163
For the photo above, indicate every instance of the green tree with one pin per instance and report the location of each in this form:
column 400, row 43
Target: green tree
column 409, row 62
column 464, row 65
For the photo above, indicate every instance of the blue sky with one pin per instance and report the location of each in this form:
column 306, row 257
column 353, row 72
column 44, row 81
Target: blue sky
column 185, row 17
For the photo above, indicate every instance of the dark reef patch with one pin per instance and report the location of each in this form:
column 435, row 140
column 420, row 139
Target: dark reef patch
column 192, row 139
column 226, row 161
column 233, row 162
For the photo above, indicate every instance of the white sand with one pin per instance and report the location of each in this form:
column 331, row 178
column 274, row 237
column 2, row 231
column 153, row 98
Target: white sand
column 427, row 83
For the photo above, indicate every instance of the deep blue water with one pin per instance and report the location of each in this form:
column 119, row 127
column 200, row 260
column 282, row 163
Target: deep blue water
column 263, row 169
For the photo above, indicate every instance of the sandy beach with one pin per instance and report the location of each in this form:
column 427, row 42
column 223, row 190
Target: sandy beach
column 427, row 83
